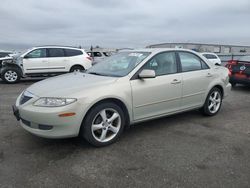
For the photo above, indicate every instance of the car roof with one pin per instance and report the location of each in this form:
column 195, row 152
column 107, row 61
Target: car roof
column 157, row 50
column 208, row 53
column 55, row 46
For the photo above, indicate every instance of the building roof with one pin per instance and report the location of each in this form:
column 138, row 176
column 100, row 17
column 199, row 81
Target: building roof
column 190, row 43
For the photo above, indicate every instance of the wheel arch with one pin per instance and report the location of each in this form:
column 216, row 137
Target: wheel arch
column 217, row 85
column 117, row 101
column 11, row 65
column 77, row 65
column 220, row 88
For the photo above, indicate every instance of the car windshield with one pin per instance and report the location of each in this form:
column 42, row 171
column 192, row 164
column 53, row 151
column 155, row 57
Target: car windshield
column 119, row 64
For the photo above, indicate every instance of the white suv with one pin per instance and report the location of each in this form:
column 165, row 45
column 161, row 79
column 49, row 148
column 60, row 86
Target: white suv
column 212, row 57
column 44, row 61
column 98, row 56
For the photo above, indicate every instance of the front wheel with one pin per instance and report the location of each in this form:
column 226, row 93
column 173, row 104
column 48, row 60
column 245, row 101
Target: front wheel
column 11, row 75
column 103, row 125
column 213, row 102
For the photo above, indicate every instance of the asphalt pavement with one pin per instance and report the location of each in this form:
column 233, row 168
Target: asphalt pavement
column 184, row 150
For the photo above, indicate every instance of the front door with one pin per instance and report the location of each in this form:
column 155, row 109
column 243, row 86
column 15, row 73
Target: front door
column 161, row 95
column 36, row 61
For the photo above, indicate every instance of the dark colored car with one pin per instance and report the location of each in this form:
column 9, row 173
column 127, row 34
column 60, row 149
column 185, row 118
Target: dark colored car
column 239, row 71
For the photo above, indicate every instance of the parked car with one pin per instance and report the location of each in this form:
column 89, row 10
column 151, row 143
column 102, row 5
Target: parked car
column 98, row 56
column 44, row 61
column 212, row 57
column 127, row 88
column 239, row 70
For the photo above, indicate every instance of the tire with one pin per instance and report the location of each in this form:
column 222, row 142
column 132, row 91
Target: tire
column 213, row 102
column 76, row 68
column 98, row 129
column 11, row 75
column 233, row 84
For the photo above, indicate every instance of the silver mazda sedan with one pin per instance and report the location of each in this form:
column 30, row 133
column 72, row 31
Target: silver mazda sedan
column 127, row 88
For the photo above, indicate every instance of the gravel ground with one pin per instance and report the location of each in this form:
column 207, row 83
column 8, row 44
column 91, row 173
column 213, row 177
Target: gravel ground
column 185, row 150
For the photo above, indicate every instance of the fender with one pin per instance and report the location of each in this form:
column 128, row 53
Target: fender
column 11, row 62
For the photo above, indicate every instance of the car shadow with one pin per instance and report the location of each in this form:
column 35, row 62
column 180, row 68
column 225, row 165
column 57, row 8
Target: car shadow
column 239, row 87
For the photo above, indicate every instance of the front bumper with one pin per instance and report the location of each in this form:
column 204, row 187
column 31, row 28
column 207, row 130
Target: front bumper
column 45, row 121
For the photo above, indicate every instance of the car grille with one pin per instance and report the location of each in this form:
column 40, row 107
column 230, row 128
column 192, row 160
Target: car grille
column 24, row 99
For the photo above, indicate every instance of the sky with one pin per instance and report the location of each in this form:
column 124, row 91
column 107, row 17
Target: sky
column 122, row 23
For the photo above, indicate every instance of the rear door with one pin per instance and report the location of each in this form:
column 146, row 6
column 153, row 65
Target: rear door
column 36, row 61
column 196, row 76
column 57, row 60
column 160, row 95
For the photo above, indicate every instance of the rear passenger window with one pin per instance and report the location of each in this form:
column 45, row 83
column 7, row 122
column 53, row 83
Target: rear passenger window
column 71, row 52
column 56, row 52
column 190, row 62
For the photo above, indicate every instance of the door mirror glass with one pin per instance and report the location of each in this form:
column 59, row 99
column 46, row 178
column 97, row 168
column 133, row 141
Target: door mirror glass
column 147, row 73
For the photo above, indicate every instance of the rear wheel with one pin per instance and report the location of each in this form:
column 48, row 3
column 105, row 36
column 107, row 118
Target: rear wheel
column 76, row 68
column 213, row 102
column 11, row 75
column 103, row 124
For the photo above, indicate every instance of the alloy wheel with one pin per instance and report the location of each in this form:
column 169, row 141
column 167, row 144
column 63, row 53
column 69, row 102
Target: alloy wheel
column 214, row 102
column 11, row 76
column 106, row 125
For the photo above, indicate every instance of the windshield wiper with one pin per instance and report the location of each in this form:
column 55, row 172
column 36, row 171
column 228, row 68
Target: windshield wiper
column 96, row 73
column 101, row 74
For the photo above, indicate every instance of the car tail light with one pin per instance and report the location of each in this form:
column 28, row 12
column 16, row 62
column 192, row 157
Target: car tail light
column 89, row 58
column 230, row 63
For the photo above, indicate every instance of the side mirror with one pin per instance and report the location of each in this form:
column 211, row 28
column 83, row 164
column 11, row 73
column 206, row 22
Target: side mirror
column 147, row 73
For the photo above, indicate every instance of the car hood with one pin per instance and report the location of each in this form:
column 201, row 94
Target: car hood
column 68, row 84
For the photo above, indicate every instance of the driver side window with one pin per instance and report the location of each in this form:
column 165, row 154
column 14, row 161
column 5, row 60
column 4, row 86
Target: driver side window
column 38, row 53
column 163, row 64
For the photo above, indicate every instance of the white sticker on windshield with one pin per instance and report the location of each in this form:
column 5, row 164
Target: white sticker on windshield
column 135, row 54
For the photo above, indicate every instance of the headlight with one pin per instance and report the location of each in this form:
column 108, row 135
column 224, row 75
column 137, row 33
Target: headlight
column 53, row 102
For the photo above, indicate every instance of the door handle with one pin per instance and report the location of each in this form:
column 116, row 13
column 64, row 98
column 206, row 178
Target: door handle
column 176, row 81
column 209, row 74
